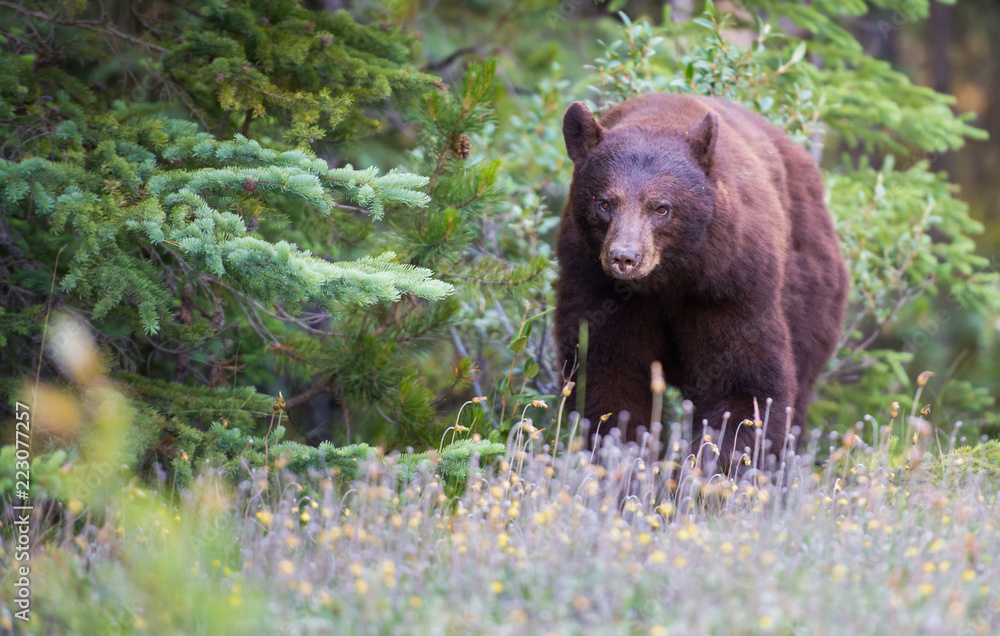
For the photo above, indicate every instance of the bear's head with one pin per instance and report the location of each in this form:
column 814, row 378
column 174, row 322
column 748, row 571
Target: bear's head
column 642, row 197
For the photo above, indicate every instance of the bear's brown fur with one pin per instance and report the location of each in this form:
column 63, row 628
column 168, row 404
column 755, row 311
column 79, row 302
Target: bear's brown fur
column 696, row 235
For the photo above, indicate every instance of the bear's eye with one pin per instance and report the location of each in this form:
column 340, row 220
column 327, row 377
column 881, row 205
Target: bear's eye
column 604, row 205
column 664, row 210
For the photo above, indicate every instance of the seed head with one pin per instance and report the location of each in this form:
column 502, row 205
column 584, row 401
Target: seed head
column 657, row 384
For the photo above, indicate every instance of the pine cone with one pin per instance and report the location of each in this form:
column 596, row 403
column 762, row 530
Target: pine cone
column 461, row 146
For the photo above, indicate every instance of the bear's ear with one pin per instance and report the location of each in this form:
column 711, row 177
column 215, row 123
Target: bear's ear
column 581, row 132
column 701, row 140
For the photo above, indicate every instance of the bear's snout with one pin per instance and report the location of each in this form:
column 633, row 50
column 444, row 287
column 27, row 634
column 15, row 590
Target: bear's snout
column 624, row 261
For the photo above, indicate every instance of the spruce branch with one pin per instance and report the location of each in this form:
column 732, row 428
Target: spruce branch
column 194, row 208
column 102, row 26
column 315, row 391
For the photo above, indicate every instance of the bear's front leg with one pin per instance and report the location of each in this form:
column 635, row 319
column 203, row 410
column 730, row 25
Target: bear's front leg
column 733, row 360
column 619, row 357
column 625, row 336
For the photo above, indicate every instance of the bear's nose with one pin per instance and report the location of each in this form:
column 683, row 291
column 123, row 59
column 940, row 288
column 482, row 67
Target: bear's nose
column 624, row 260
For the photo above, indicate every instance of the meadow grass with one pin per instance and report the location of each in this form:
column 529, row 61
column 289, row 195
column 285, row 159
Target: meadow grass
column 613, row 541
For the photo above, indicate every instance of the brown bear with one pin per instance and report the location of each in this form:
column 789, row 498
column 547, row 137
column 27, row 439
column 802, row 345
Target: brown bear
column 695, row 234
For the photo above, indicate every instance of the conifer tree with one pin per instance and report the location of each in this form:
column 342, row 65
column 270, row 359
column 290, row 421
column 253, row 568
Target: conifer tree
column 140, row 196
column 383, row 364
column 185, row 204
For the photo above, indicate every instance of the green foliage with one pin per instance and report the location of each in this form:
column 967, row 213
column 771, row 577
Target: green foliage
column 47, row 479
column 761, row 77
column 238, row 455
column 867, row 101
column 970, row 460
column 240, row 405
column 276, row 69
